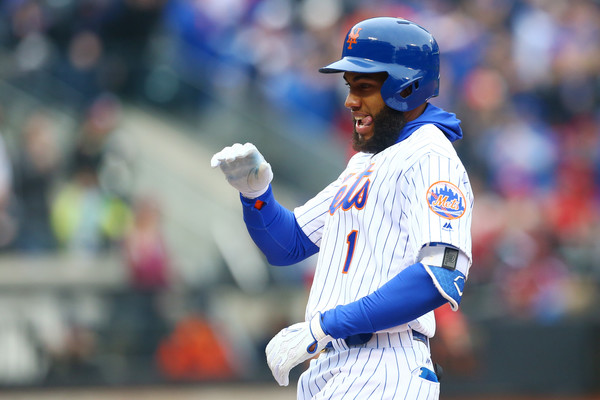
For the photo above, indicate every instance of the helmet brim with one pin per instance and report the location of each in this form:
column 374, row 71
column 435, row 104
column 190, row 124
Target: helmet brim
column 352, row 64
column 357, row 64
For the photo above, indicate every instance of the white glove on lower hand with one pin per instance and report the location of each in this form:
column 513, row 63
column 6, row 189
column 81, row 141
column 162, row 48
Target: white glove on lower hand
column 245, row 169
column 293, row 345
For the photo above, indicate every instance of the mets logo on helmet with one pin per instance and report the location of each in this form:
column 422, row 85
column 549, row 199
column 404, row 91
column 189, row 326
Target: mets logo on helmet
column 352, row 36
column 446, row 200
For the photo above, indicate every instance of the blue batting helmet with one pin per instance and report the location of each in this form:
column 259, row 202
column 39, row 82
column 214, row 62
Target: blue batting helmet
column 406, row 51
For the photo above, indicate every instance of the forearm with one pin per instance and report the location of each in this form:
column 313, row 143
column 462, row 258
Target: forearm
column 407, row 296
column 274, row 230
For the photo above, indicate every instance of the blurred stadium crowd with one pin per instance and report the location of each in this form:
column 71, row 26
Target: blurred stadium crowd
column 522, row 75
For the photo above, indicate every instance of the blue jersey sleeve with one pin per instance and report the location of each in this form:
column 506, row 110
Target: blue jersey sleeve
column 404, row 298
column 275, row 231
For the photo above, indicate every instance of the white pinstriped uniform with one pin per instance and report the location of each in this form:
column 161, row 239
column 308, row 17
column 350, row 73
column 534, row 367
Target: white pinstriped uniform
column 371, row 371
column 373, row 220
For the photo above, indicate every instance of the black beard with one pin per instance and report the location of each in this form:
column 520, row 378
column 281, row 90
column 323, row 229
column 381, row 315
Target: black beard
column 387, row 125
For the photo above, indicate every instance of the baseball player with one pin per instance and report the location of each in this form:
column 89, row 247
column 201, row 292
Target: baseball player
column 392, row 232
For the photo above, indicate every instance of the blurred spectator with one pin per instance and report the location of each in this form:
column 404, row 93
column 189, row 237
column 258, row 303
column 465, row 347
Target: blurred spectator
column 147, row 257
column 521, row 155
column 36, row 171
column 91, row 210
column 8, row 224
column 126, row 31
column 453, row 346
column 534, row 280
column 195, row 351
column 103, row 148
column 85, row 219
column 140, row 312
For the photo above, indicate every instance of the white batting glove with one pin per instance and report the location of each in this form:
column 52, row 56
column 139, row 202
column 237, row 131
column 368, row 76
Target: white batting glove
column 293, row 345
column 245, row 169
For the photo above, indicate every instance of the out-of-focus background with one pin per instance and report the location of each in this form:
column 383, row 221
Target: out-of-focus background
column 124, row 261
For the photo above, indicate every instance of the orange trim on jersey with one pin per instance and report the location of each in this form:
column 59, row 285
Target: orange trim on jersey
column 351, row 240
column 346, row 198
column 359, row 200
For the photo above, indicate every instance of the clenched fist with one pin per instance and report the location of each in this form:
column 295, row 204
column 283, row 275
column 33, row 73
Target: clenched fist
column 245, row 169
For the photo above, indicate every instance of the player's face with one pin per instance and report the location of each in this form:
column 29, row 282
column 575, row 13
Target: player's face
column 364, row 100
column 376, row 126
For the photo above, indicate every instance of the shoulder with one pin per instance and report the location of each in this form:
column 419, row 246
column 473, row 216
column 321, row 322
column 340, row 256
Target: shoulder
column 358, row 159
column 430, row 140
column 429, row 133
column 428, row 149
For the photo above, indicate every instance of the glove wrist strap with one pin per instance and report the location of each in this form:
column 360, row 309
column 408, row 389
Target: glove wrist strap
column 317, row 332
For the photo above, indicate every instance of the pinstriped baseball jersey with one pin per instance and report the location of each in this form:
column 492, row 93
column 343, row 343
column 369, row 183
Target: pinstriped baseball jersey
column 379, row 369
column 373, row 220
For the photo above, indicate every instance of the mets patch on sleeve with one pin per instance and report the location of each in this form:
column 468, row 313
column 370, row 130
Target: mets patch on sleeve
column 446, row 200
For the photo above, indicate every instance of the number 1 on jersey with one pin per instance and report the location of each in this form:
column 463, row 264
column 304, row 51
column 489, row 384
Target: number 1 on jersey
column 351, row 240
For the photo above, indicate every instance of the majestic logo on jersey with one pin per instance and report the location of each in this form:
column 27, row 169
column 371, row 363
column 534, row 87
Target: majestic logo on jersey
column 446, row 200
column 352, row 36
column 355, row 195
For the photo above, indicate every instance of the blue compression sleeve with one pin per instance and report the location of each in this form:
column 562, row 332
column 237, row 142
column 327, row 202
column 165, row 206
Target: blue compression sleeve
column 275, row 231
column 404, row 298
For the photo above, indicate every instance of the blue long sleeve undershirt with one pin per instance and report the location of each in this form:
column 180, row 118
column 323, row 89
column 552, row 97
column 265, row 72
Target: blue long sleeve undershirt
column 274, row 229
column 405, row 297
column 402, row 299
